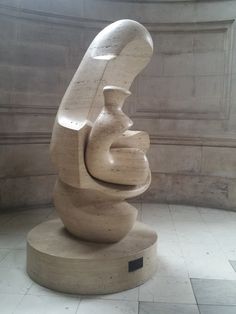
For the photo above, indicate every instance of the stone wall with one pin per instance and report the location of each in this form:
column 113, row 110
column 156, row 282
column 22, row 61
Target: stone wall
column 185, row 98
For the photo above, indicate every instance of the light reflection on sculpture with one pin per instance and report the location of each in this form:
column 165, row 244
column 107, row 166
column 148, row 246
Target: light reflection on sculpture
column 100, row 162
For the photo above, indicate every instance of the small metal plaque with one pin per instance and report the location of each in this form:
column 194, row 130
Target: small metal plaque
column 135, row 264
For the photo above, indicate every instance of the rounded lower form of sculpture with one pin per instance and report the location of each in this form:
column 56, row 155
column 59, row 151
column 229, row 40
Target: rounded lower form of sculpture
column 90, row 216
column 57, row 260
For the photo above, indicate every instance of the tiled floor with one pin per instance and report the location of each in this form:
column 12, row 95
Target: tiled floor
column 196, row 267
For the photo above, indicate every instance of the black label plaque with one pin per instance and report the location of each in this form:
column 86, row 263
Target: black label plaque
column 135, row 264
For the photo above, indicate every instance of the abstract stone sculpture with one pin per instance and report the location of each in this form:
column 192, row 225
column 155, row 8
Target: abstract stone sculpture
column 100, row 163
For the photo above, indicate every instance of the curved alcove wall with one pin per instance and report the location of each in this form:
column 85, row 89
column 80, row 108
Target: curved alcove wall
column 185, row 98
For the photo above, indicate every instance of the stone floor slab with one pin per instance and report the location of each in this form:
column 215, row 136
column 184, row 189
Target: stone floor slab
column 214, row 291
column 217, row 309
column 167, row 308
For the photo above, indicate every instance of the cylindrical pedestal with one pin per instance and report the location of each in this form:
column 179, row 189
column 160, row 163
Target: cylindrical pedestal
column 57, row 260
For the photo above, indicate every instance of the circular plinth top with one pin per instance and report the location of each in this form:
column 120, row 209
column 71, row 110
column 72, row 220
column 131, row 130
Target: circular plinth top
column 52, row 238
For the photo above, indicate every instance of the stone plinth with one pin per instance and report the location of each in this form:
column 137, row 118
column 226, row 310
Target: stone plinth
column 59, row 261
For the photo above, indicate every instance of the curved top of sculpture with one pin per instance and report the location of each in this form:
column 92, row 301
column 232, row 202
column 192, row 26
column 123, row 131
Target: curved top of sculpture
column 116, row 55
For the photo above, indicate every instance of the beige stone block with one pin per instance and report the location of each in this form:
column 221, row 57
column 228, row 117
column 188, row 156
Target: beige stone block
column 233, row 94
column 26, row 123
column 32, row 31
column 191, row 127
column 155, row 66
column 233, row 65
column 231, row 123
column 178, row 65
column 42, row 80
column 152, row 88
column 88, row 36
column 13, row 3
column 232, row 194
column 219, row 161
column 74, row 57
column 209, row 89
column 222, row 10
column 209, row 63
column 32, row 159
column 173, row 42
column 70, row 8
column 33, row 54
column 209, row 41
column 183, row 95
column 161, row 93
column 6, row 52
column 180, row 88
column 175, row 127
column 30, row 100
column 8, row 28
column 208, row 191
column 26, row 191
column 5, row 97
column 142, row 12
column 174, row 159
column 6, row 78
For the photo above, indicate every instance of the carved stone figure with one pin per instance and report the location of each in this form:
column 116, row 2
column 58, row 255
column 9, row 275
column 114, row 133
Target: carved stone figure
column 90, row 191
column 100, row 164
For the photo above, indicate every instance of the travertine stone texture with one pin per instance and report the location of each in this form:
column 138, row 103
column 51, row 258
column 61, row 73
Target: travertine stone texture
column 104, row 160
column 61, row 262
column 185, row 98
column 98, row 247
column 95, row 175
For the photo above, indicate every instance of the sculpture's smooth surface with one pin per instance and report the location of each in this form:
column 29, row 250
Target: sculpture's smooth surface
column 99, row 161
